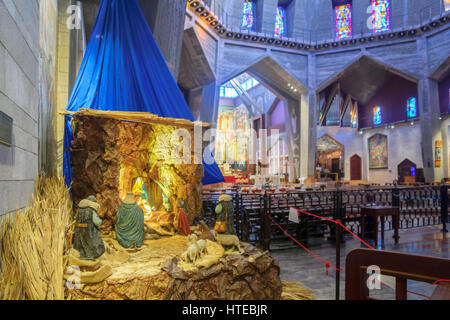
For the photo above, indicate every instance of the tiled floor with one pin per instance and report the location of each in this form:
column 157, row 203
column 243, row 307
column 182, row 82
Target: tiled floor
column 298, row 265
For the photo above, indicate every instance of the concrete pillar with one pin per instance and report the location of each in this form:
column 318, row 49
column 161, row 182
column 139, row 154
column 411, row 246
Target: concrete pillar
column 47, row 105
column 195, row 102
column 233, row 19
column 266, row 11
column 210, row 104
column 430, row 125
column 312, row 116
column 296, row 15
column 428, row 102
column 62, row 77
column 167, row 24
column 294, row 129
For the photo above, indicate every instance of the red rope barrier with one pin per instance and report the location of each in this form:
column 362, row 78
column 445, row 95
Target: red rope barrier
column 323, row 218
column 328, row 264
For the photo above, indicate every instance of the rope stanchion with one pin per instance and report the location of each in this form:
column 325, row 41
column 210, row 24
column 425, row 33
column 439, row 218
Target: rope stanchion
column 326, row 263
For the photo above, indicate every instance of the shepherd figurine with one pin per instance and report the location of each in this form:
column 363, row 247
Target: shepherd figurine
column 87, row 239
column 225, row 215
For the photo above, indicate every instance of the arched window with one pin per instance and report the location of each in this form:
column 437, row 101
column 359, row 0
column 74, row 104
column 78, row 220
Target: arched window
column 377, row 115
column 381, row 15
column 248, row 15
column 280, row 22
column 343, row 15
column 411, row 108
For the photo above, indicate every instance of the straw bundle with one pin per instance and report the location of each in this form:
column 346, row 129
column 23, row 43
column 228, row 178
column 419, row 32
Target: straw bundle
column 294, row 291
column 33, row 243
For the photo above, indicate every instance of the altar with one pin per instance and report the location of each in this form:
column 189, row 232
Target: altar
column 262, row 180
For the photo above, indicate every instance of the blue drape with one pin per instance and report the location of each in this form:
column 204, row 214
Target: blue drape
column 124, row 70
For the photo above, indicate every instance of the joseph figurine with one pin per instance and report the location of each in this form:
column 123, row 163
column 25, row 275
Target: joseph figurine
column 87, row 239
column 130, row 226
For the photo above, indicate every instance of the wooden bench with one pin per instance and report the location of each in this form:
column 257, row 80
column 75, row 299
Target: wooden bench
column 402, row 266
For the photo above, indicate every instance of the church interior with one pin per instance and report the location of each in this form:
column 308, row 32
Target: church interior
column 224, row 150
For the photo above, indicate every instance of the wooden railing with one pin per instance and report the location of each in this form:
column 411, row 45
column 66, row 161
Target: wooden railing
column 402, row 266
column 419, row 206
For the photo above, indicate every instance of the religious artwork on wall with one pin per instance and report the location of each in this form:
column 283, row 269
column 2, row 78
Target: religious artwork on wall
column 248, row 15
column 330, row 155
column 447, row 5
column 438, row 153
column 381, row 15
column 343, row 16
column 378, row 152
column 232, row 137
column 280, row 22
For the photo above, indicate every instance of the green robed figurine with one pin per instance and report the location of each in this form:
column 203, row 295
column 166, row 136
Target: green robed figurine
column 225, row 215
column 130, row 228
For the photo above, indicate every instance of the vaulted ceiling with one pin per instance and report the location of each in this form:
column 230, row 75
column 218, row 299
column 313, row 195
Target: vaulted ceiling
column 363, row 79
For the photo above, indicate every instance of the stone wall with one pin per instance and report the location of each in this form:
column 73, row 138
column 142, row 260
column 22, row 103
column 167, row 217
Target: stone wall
column 414, row 58
column 403, row 143
column 19, row 85
column 315, row 20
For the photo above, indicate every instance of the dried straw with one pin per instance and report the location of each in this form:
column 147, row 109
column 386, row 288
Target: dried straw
column 33, row 244
column 295, row 291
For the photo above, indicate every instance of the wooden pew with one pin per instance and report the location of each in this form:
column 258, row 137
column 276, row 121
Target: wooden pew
column 402, row 266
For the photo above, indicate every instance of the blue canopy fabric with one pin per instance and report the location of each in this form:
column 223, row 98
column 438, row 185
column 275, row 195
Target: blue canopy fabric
column 124, row 70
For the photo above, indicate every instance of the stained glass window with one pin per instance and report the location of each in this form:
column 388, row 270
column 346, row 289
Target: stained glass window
column 377, row 115
column 343, row 21
column 381, row 15
column 248, row 15
column 227, row 92
column 447, row 5
column 280, row 23
column 411, row 109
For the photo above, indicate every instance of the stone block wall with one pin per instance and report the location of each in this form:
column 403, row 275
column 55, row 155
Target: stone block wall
column 19, row 92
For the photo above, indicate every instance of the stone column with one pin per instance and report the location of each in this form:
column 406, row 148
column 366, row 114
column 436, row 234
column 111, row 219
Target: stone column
column 166, row 20
column 428, row 102
column 266, row 11
column 313, row 114
column 195, row 102
column 430, row 125
column 210, row 104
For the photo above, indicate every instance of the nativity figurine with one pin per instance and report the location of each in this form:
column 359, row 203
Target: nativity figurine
column 225, row 215
column 181, row 220
column 87, row 239
column 130, row 227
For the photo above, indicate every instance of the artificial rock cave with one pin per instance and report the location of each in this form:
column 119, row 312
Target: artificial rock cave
column 111, row 157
